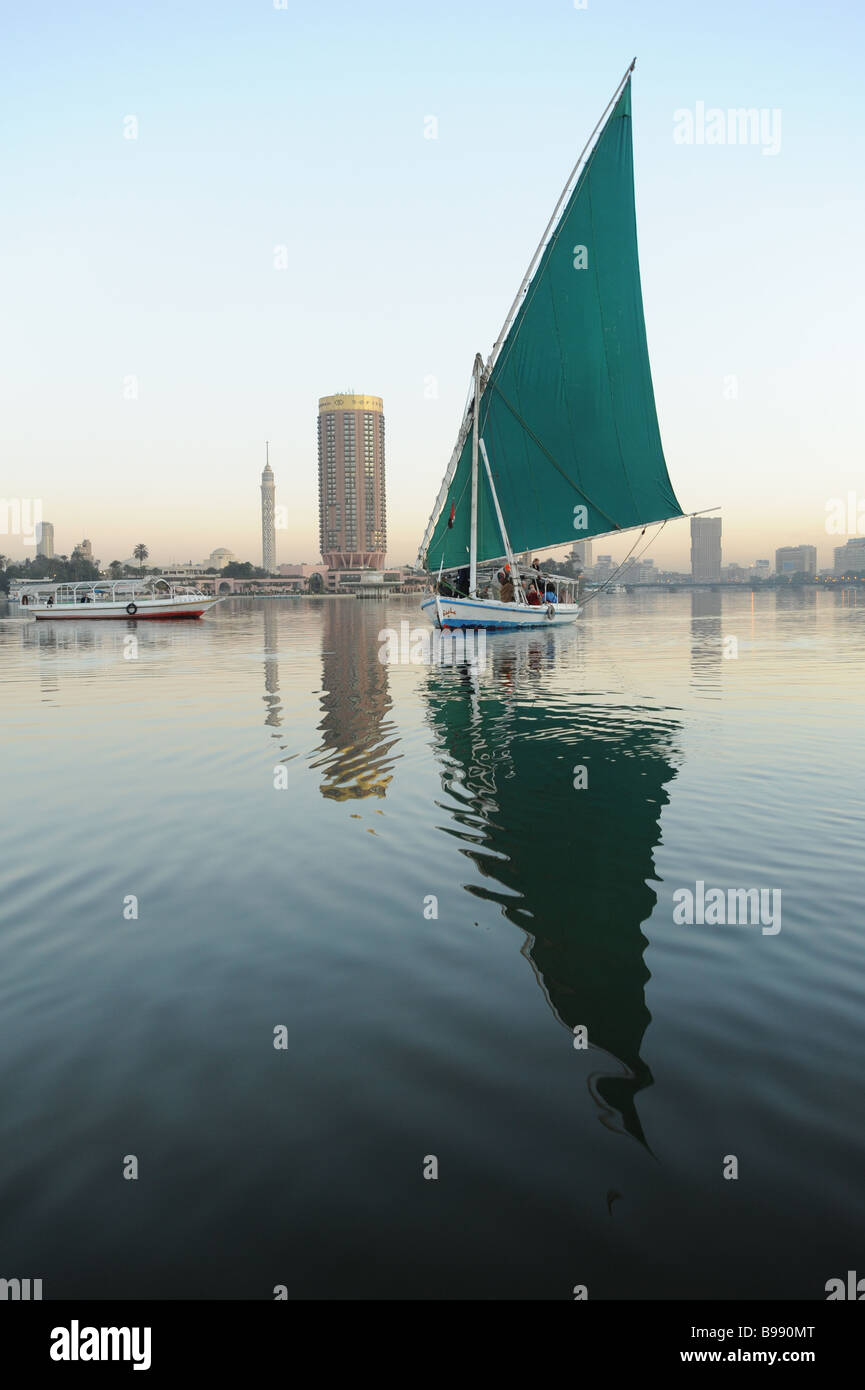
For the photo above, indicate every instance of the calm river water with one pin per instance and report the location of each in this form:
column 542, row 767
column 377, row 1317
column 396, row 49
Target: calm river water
column 418, row 882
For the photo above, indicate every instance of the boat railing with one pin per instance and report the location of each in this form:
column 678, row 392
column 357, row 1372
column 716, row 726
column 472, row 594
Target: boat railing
column 65, row 595
column 563, row 589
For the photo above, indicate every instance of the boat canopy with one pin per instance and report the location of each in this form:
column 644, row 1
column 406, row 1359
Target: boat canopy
column 149, row 582
column 112, row 588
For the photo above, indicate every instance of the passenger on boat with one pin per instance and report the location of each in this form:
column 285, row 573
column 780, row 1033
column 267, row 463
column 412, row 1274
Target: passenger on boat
column 463, row 580
column 551, row 596
column 532, row 595
column 507, row 593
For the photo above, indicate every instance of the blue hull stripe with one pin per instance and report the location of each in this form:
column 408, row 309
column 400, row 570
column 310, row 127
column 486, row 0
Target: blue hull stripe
column 489, row 624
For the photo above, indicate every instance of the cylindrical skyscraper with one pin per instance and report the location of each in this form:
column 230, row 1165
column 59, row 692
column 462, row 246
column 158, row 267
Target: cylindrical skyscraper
column 268, row 516
column 351, row 494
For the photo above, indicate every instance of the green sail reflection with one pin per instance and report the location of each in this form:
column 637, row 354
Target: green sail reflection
column 571, row 868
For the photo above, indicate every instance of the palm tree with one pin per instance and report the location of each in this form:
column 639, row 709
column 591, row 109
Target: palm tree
column 115, row 569
column 141, row 553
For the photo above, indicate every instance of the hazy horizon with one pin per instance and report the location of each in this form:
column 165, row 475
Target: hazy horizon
column 281, row 228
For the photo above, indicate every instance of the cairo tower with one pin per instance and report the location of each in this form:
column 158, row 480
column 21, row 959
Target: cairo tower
column 268, row 517
column 351, row 497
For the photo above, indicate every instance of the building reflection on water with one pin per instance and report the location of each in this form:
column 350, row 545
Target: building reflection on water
column 707, row 642
column 355, row 755
column 571, row 867
column 273, row 703
column 800, row 599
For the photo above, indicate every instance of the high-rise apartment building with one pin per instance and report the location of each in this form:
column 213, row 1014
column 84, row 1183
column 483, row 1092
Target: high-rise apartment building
column 850, row 558
column 602, row 569
column 268, row 516
column 351, row 484
column 640, row 572
column 45, row 539
column 581, row 554
column 706, row 549
column 796, row 559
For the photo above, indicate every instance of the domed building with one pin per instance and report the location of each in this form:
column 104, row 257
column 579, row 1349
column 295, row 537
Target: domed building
column 221, row 557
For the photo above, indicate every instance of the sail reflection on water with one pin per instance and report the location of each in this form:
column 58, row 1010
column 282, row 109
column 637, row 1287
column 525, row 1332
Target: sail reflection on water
column 572, row 868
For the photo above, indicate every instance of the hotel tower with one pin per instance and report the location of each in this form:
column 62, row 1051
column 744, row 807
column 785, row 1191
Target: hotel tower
column 352, row 516
column 268, row 517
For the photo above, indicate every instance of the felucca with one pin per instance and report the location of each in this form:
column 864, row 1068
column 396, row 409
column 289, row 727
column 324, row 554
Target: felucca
column 559, row 440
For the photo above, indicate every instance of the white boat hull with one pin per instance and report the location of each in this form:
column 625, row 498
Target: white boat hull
column 454, row 613
column 141, row 608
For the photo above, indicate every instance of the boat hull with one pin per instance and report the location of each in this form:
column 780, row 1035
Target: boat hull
column 455, row 613
column 151, row 609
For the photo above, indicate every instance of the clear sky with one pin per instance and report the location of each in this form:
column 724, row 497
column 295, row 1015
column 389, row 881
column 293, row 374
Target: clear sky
column 304, row 128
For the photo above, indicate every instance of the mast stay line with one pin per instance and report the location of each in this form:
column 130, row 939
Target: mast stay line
column 512, row 312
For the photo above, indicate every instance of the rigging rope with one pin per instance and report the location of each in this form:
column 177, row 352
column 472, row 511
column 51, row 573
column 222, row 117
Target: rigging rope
column 618, row 570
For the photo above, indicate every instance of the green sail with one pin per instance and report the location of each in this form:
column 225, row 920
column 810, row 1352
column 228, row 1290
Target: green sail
column 568, row 413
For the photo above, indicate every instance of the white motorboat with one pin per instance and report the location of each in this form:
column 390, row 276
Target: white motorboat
column 127, row 599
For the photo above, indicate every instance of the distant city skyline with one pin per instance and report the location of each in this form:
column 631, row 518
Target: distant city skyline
column 183, row 280
column 706, row 559
column 13, row 545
